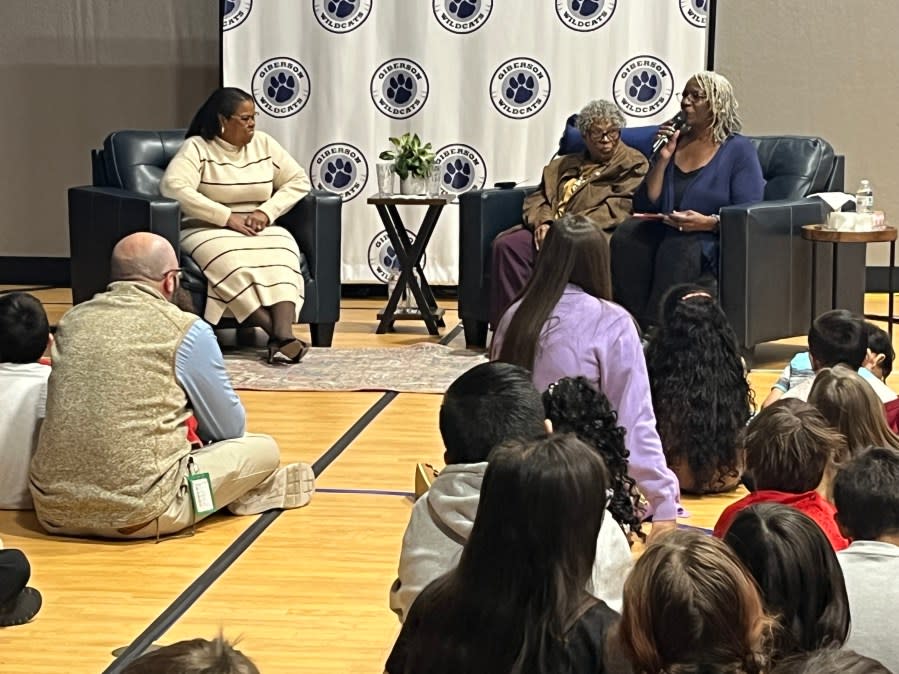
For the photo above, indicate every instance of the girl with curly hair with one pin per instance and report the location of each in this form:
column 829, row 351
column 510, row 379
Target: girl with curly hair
column 700, row 393
column 573, row 406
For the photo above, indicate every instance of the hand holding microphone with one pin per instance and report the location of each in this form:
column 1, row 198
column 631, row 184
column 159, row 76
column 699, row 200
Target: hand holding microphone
column 666, row 140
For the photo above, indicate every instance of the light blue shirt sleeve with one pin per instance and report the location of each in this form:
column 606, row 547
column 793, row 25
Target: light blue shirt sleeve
column 200, row 370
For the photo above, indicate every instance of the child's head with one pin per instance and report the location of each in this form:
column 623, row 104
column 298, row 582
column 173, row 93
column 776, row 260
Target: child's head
column 849, row 405
column 830, row 661
column 700, row 394
column 789, row 446
column 489, row 404
column 24, row 329
column 574, row 406
column 866, row 495
column 195, row 656
column 797, row 570
column 837, row 337
column 688, row 601
column 880, row 354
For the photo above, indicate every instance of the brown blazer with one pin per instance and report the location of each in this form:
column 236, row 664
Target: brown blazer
column 606, row 198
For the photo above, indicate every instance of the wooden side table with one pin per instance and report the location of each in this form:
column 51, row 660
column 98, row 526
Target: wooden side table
column 409, row 256
column 819, row 234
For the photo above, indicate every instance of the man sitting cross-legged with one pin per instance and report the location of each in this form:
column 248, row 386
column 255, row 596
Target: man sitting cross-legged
column 490, row 404
column 130, row 370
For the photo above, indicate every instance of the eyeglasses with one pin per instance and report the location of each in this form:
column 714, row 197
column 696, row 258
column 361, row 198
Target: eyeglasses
column 599, row 136
column 695, row 96
column 246, row 118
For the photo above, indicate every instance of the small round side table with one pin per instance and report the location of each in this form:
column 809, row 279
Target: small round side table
column 820, row 234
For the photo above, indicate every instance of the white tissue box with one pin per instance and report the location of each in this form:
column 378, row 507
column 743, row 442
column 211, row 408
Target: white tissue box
column 855, row 222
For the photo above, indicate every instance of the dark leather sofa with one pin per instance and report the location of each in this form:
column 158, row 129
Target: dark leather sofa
column 124, row 199
column 765, row 274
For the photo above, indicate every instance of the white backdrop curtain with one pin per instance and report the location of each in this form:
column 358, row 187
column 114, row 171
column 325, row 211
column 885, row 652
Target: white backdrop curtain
column 488, row 82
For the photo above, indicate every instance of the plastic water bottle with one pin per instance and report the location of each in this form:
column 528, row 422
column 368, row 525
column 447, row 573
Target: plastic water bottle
column 864, row 197
column 392, row 280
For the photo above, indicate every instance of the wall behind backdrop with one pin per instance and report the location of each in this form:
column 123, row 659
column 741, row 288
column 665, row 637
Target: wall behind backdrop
column 488, row 82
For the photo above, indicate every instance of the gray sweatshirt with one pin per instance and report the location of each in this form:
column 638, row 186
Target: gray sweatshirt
column 441, row 522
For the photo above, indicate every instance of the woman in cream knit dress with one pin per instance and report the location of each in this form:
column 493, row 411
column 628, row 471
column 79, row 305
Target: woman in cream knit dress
column 233, row 182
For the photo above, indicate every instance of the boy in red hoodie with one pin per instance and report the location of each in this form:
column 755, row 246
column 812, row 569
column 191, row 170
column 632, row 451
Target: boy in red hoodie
column 790, row 453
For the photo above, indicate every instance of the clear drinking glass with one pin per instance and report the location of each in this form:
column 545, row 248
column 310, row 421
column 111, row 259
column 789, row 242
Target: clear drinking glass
column 385, row 179
column 434, row 178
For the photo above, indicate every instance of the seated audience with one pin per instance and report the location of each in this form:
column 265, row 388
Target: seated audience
column 700, row 394
column 690, row 606
column 798, row 574
column 852, row 408
column 490, row 404
column 573, row 406
column 18, row 602
column 193, row 656
column 878, row 361
column 704, row 167
column 790, row 453
column 830, row 661
column 233, row 182
column 866, row 493
column 565, row 325
column 598, row 183
column 516, row 601
column 24, row 336
column 130, row 369
column 838, row 337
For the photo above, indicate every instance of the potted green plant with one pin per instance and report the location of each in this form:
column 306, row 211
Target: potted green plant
column 412, row 162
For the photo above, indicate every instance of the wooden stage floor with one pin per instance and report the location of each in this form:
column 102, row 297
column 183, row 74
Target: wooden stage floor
column 305, row 589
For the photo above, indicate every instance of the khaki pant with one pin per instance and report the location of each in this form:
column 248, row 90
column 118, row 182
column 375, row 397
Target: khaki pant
column 245, row 477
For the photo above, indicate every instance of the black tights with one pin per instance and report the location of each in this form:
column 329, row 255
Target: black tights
column 276, row 320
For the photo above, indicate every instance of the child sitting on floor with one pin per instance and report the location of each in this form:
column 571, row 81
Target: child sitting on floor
column 838, row 337
column 488, row 405
column 866, row 494
column 790, row 452
column 24, row 336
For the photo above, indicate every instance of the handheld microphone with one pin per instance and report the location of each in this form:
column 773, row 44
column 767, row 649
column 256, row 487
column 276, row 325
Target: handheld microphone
column 677, row 122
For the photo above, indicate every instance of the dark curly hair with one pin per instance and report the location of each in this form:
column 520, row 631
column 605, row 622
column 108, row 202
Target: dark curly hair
column 700, row 393
column 573, row 406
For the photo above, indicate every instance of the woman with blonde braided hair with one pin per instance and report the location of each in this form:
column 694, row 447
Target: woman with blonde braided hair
column 703, row 167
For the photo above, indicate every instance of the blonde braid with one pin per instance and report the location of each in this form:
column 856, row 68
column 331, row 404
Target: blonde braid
column 722, row 103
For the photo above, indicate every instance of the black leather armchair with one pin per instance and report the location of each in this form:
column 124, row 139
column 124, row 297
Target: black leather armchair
column 765, row 272
column 125, row 199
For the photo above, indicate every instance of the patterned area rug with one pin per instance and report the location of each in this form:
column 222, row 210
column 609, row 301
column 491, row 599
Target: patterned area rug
column 421, row 368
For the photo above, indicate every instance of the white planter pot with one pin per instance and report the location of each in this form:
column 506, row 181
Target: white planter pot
column 413, row 185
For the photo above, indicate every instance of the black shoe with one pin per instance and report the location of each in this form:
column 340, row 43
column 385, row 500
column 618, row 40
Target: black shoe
column 21, row 609
column 288, row 351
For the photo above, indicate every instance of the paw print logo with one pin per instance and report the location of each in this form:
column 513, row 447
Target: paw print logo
column 699, row 4
column 229, row 6
column 382, row 257
column 585, row 8
column 235, row 13
column 341, row 16
column 520, row 88
column 340, row 168
column 389, row 259
column 457, row 175
column 338, row 173
column 643, row 86
column 462, row 9
column 462, row 16
column 400, row 88
column 281, row 87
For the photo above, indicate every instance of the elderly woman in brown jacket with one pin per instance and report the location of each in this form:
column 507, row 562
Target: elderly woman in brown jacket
column 598, row 183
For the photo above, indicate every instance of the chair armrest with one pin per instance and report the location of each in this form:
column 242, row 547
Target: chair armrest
column 482, row 215
column 315, row 223
column 765, row 268
column 99, row 217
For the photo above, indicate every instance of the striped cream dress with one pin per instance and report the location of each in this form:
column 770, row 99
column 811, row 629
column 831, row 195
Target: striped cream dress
column 212, row 180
